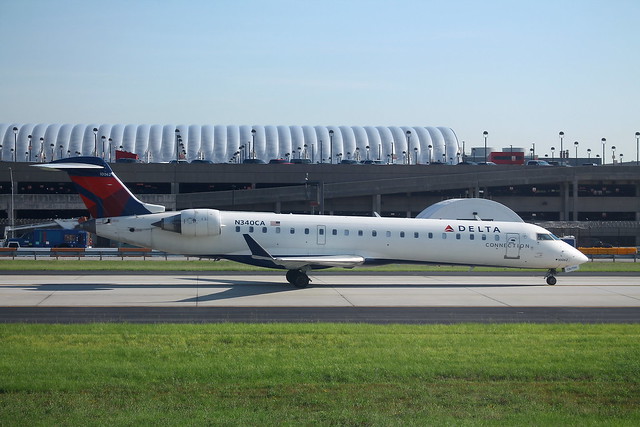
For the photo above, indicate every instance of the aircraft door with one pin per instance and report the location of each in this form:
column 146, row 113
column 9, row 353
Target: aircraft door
column 513, row 246
column 322, row 234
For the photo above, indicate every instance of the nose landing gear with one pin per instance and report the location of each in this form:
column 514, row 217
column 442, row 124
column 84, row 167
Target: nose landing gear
column 298, row 278
column 550, row 277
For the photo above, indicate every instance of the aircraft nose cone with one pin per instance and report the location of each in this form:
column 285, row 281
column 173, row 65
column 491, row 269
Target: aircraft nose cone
column 580, row 257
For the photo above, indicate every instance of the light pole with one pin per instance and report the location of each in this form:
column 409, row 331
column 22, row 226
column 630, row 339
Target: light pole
column 589, row 154
column 29, row 146
column 415, row 150
column 367, row 147
column 485, row 133
column 613, row 155
column 620, row 158
column 42, row 154
column 15, row 144
column 604, row 142
column 110, row 148
column 561, row 146
column 253, row 143
column 409, row 146
column 0, row 152
column 533, row 150
column 576, row 145
column 103, row 139
column 177, row 133
column 12, row 211
column 553, row 151
column 95, row 142
column 331, row 146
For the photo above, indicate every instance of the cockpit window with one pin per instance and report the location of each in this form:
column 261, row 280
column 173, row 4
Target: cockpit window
column 541, row 236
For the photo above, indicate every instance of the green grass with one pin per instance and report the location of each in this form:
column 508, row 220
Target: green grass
column 319, row 374
column 8, row 264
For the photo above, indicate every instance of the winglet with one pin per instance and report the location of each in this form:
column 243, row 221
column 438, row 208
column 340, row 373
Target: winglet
column 257, row 251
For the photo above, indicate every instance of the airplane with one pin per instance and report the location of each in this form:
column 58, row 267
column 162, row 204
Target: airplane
column 469, row 232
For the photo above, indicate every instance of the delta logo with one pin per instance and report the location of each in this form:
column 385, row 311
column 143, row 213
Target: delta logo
column 473, row 229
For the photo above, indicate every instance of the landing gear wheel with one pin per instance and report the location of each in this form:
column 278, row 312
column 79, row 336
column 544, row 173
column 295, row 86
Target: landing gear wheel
column 298, row 278
column 551, row 280
column 291, row 275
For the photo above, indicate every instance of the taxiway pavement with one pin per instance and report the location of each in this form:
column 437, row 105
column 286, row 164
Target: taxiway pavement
column 326, row 290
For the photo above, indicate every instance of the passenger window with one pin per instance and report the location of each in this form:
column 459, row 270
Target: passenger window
column 444, row 236
column 360, row 233
column 264, row 229
column 472, row 236
column 374, row 233
column 484, row 237
column 430, row 235
column 277, row 230
column 388, row 234
column 306, row 231
column 334, row 232
column 402, row 234
column 321, row 231
column 292, row 231
column 346, row 232
column 250, row 229
column 497, row 237
column 237, row 228
column 458, row 236
column 416, row 235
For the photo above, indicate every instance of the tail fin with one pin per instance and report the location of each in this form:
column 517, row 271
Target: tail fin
column 102, row 192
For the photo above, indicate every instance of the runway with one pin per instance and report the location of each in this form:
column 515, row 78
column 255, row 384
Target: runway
column 356, row 297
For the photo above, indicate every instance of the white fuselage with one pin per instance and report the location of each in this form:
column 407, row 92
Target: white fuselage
column 376, row 239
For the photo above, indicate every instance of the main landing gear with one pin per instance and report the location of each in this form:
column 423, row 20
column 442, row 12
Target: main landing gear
column 550, row 277
column 298, row 278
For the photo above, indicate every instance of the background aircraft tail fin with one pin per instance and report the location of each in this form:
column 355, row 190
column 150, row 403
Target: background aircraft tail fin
column 102, row 192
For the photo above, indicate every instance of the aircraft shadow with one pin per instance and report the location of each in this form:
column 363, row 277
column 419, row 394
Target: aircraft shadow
column 225, row 289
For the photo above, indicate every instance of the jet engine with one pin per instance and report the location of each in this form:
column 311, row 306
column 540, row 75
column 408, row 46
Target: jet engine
column 193, row 223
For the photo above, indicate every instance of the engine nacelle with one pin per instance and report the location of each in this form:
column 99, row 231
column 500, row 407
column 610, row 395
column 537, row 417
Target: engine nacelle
column 193, row 223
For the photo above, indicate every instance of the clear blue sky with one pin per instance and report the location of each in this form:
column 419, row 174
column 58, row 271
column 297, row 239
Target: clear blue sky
column 522, row 70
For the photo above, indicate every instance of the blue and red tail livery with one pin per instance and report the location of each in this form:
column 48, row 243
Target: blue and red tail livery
column 102, row 192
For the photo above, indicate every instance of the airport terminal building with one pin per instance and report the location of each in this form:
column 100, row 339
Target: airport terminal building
column 594, row 203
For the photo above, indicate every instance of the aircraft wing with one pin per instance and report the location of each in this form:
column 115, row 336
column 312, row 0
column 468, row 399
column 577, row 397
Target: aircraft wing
column 297, row 262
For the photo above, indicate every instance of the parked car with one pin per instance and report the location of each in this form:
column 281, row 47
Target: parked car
column 537, row 163
column 301, row 161
column 254, row 161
